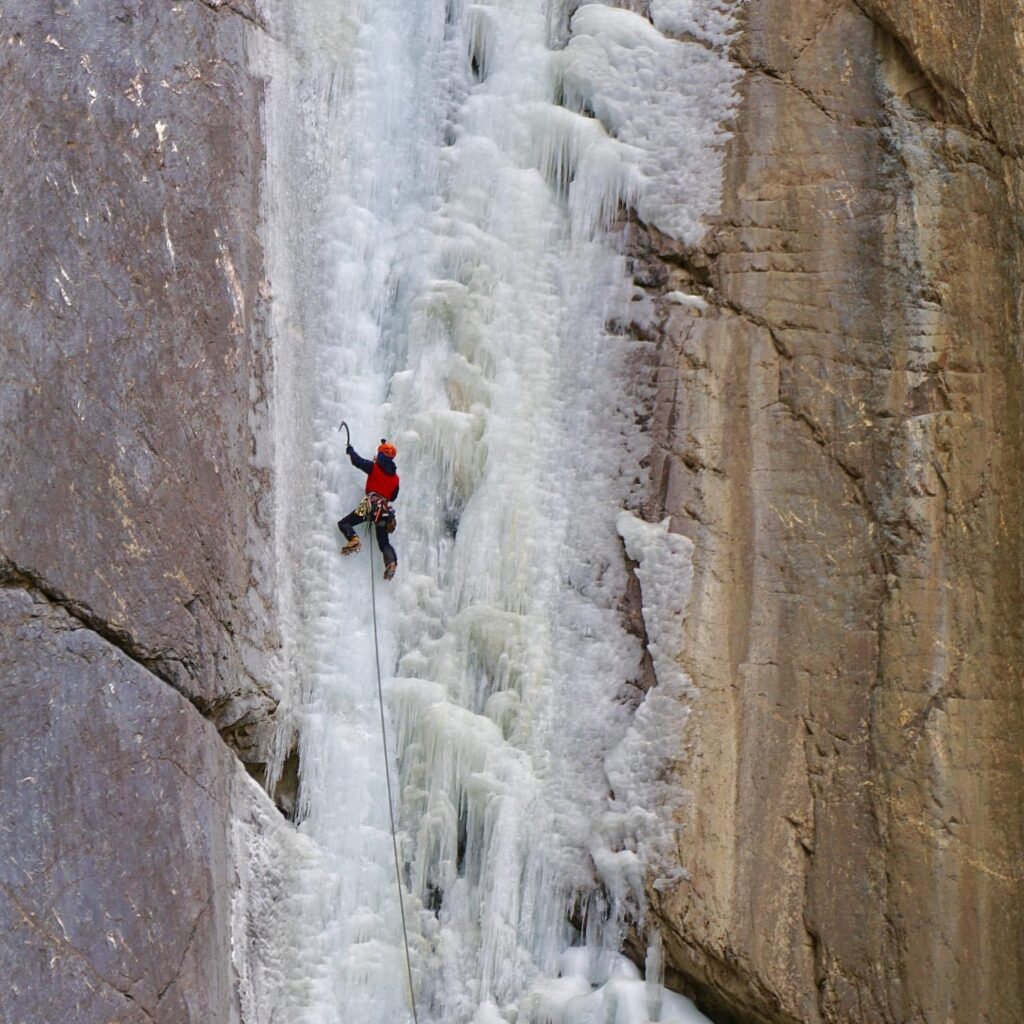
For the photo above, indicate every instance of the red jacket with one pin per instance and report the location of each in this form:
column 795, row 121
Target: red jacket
column 384, row 484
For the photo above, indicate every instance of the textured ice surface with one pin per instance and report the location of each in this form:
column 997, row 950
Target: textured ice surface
column 711, row 23
column 664, row 100
column 665, row 571
column 637, row 766
column 438, row 194
column 605, row 989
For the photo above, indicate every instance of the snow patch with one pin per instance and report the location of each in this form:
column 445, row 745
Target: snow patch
column 665, row 571
column 605, row 989
column 685, row 299
column 713, row 24
column 268, row 857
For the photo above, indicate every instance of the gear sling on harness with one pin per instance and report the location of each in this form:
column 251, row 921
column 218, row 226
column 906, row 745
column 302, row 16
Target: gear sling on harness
column 379, row 514
column 378, row 510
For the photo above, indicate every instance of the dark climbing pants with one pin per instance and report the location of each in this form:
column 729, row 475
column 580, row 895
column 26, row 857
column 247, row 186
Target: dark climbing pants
column 353, row 519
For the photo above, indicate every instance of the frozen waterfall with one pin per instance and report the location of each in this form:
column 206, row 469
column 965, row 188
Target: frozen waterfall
column 443, row 178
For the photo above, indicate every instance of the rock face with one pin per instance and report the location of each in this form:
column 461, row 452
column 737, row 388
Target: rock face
column 840, row 435
column 115, row 833
column 132, row 357
column 134, row 503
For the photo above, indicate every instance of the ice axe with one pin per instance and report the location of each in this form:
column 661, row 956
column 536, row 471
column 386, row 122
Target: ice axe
column 348, row 439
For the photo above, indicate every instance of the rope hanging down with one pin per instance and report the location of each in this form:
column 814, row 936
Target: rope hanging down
column 387, row 775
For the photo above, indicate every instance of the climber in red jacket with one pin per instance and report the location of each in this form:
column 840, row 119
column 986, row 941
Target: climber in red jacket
column 381, row 490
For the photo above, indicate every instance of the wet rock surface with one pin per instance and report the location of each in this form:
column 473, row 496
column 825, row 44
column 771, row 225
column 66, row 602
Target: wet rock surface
column 840, row 434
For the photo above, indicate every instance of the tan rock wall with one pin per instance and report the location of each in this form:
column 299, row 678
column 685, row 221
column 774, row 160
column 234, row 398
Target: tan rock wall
column 841, row 437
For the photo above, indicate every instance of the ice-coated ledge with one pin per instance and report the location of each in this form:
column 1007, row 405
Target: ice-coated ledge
column 665, row 571
column 666, row 100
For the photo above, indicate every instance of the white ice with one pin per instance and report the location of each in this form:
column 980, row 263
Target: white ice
column 605, row 989
column 666, row 101
column 444, row 273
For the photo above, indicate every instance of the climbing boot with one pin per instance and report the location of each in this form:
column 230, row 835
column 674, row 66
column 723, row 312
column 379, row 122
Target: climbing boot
column 389, row 570
column 352, row 546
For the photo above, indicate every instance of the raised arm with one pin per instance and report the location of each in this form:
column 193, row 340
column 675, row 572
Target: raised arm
column 358, row 461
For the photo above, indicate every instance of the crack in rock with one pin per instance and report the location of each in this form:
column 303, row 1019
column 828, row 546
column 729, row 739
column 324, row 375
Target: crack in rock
column 12, row 575
column 168, row 669
column 234, row 7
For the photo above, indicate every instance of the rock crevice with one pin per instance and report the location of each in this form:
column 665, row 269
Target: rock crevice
column 167, row 669
column 241, row 8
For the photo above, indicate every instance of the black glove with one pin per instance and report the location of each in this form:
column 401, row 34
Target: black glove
column 349, row 449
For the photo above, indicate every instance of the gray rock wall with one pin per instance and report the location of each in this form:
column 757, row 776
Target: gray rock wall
column 116, row 865
column 135, row 505
column 132, row 358
column 841, row 437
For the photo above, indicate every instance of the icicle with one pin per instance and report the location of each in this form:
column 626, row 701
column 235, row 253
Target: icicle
column 481, row 37
column 654, row 971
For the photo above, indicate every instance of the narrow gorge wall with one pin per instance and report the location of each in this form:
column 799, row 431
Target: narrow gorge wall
column 840, row 435
column 134, row 501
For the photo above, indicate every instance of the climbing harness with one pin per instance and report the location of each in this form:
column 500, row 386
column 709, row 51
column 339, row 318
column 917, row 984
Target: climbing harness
column 377, row 509
column 387, row 771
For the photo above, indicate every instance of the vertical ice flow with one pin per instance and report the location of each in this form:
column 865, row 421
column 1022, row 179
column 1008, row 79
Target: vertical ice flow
column 443, row 181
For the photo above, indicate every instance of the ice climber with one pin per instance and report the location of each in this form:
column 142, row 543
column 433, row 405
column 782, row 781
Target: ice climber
column 381, row 490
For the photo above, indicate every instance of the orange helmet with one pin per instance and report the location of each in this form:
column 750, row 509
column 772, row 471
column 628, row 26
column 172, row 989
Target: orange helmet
column 387, row 449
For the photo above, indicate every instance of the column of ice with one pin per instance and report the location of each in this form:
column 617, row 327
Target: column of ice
column 449, row 280
column 356, row 101
column 513, row 400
